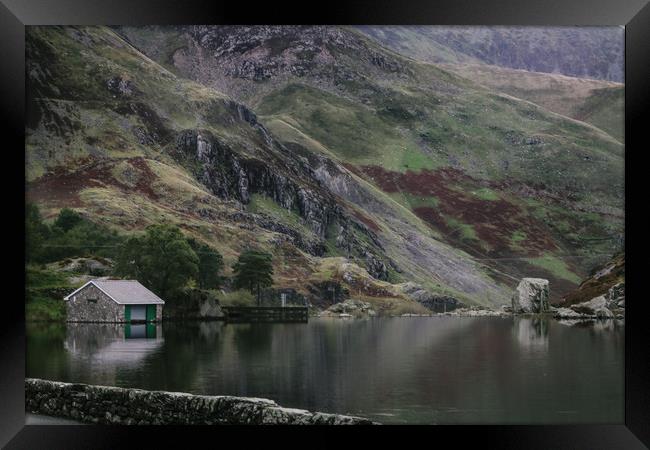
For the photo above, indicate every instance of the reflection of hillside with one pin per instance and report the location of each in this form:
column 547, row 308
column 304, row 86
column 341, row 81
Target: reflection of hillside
column 294, row 362
column 413, row 370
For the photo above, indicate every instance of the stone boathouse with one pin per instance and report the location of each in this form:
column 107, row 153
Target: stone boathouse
column 113, row 301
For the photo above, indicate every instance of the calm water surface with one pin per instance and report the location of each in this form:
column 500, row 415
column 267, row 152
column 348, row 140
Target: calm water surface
column 425, row 370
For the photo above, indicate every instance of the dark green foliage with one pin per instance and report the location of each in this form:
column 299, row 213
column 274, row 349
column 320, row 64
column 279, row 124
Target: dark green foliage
column 67, row 219
column 253, row 271
column 44, row 292
column 71, row 235
column 210, row 264
column 161, row 259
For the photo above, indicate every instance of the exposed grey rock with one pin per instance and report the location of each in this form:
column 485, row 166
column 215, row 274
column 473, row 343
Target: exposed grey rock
column 233, row 176
column 120, row 87
column 475, row 311
column 434, row 302
column 566, row 313
column 350, row 307
column 604, row 313
column 122, row 406
column 531, row 296
column 616, row 295
column 590, row 307
column 88, row 266
column 376, row 268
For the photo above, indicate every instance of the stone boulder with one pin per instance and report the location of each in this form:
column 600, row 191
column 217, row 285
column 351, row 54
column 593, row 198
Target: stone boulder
column 567, row 313
column 601, row 307
column 589, row 308
column 434, row 302
column 531, row 296
column 350, row 307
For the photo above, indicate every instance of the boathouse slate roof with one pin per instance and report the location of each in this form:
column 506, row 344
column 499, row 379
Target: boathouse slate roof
column 124, row 292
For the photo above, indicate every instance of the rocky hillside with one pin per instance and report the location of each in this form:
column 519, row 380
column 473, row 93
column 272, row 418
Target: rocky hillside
column 599, row 283
column 337, row 155
column 583, row 52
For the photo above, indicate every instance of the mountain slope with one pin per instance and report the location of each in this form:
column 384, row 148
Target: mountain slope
column 599, row 103
column 323, row 147
column 583, row 52
column 127, row 143
column 503, row 178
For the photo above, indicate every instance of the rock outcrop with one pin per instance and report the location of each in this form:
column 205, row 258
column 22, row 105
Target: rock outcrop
column 90, row 266
column 433, row 302
column 607, row 306
column 350, row 308
column 234, row 176
column 600, row 283
column 531, row 296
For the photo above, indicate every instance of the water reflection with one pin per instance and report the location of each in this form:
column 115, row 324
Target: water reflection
column 140, row 331
column 532, row 333
column 407, row 370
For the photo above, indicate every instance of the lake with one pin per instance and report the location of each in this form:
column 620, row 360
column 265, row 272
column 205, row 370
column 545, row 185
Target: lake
column 411, row 370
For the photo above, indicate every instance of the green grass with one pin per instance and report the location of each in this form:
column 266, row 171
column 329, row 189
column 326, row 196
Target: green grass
column 414, row 201
column 556, row 266
column 237, row 298
column 42, row 289
column 352, row 132
column 518, row 236
column 42, row 309
column 461, row 230
column 604, row 108
column 262, row 204
column 37, row 277
column 486, row 194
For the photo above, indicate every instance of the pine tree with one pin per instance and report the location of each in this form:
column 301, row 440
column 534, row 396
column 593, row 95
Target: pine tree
column 253, row 271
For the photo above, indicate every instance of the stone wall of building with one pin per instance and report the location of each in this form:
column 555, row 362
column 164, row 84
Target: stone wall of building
column 114, row 405
column 81, row 308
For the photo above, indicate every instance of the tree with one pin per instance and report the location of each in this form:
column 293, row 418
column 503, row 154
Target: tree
column 67, row 219
column 253, row 271
column 161, row 259
column 210, row 264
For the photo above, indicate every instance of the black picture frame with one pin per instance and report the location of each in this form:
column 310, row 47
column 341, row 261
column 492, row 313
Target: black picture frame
column 634, row 14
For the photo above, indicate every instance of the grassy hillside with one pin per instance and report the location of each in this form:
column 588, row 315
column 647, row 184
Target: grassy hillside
column 599, row 103
column 557, row 179
column 109, row 133
column 316, row 143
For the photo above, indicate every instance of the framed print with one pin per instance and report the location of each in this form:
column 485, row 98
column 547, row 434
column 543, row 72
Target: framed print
column 410, row 217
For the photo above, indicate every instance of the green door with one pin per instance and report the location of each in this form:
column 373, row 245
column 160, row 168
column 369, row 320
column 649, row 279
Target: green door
column 127, row 313
column 151, row 313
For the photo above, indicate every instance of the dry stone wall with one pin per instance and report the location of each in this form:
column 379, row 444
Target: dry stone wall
column 122, row 406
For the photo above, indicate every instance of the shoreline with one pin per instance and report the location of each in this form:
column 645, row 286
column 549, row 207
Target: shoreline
column 95, row 404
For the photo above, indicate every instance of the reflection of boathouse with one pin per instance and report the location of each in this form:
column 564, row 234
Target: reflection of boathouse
column 113, row 301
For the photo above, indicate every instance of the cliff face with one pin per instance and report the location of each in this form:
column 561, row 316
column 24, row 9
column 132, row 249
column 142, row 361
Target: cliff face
column 230, row 176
